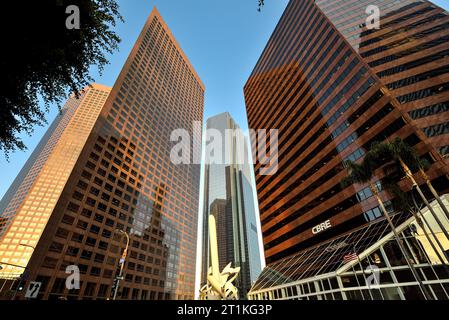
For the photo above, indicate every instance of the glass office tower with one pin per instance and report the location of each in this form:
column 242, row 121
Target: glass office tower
column 229, row 196
column 105, row 166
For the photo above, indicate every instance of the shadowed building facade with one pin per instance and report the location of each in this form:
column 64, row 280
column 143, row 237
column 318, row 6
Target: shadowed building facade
column 105, row 165
column 330, row 102
column 229, row 197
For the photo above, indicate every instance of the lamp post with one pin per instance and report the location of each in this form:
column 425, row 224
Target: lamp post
column 121, row 262
column 26, row 269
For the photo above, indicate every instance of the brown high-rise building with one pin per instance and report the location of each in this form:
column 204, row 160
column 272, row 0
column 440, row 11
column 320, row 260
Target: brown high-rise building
column 103, row 166
column 333, row 87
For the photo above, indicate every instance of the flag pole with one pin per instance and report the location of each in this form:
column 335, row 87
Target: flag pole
column 355, row 275
column 363, row 271
column 366, row 281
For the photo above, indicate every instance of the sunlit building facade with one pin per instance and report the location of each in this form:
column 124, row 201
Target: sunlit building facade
column 105, row 166
column 327, row 95
column 229, row 197
column 31, row 199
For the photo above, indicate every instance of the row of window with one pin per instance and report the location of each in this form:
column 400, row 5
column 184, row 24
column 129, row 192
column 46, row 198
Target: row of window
column 413, row 64
column 437, row 130
column 323, row 216
column 424, row 93
column 89, row 290
column 430, row 110
column 408, row 39
column 410, row 51
column 397, row 31
column 389, row 24
column 419, row 77
column 309, row 17
column 356, row 155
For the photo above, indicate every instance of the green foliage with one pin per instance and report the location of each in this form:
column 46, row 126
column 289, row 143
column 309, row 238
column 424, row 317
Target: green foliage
column 358, row 173
column 380, row 154
column 401, row 201
column 386, row 155
column 42, row 59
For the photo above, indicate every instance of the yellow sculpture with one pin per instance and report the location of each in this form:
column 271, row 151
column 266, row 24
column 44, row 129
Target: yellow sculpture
column 219, row 284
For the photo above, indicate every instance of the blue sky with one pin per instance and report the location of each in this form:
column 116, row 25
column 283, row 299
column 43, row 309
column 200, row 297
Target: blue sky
column 223, row 40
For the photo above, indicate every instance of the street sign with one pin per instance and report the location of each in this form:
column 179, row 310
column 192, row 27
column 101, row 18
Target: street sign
column 33, row 290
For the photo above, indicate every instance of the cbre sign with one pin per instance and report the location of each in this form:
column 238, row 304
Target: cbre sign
column 321, row 227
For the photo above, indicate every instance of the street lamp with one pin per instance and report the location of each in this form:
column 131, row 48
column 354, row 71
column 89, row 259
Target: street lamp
column 121, row 262
column 26, row 270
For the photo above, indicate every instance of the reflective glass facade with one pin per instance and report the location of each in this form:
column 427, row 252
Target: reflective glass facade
column 119, row 177
column 229, row 196
column 321, row 272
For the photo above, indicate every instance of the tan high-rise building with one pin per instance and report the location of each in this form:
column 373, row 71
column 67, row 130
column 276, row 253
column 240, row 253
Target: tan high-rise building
column 31, row 199
column 103, row 166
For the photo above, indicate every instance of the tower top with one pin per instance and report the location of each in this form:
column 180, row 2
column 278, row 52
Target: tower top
column 155, row 14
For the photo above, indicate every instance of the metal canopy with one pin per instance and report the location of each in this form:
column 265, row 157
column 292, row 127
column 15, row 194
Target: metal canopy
column 326, row 259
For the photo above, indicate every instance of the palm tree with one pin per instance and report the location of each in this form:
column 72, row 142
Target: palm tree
column 407, row 203
column 434, row 193
column 379, row 155
column 406, row 160
column 409, row 158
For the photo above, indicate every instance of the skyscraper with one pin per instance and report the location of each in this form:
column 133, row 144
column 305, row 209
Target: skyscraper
column 331, row 99
column 104, row 166
column 229, row 196
column 64, row 133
